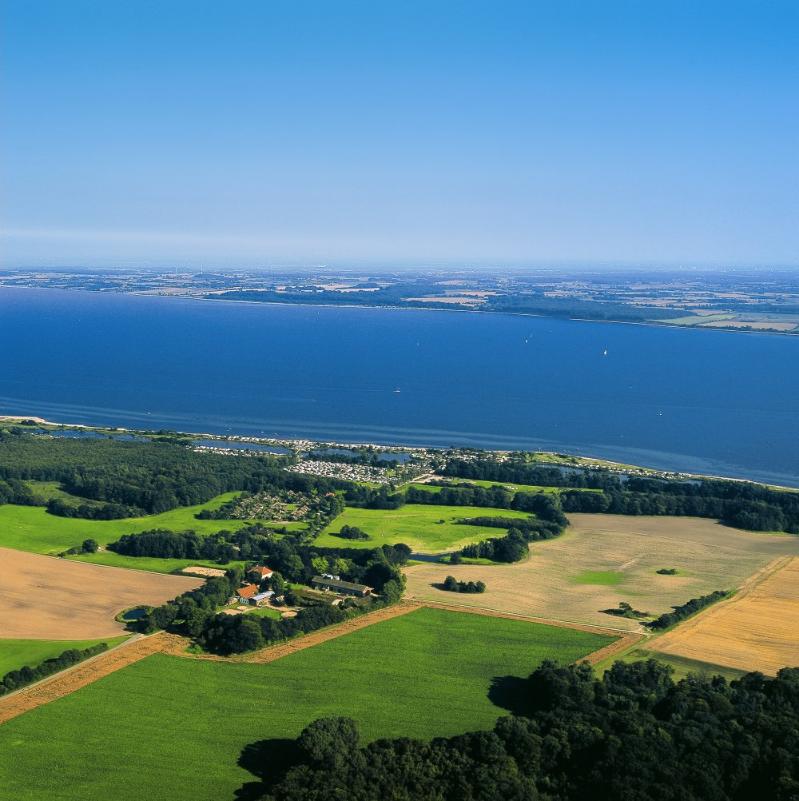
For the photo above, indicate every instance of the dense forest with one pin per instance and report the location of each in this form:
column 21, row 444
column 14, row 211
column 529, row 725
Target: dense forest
column 632, row 735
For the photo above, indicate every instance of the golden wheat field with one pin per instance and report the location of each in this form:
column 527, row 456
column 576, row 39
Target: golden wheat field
column 757, row 629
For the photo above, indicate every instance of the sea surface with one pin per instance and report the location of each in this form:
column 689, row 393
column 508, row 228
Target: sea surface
column 703, row 401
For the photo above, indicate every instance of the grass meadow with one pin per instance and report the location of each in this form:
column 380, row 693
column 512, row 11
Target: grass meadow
column 418, row 525
column 15, row 654
column 174, row 728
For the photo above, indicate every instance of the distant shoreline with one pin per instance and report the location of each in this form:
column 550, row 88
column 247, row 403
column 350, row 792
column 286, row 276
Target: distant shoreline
column 422, row 308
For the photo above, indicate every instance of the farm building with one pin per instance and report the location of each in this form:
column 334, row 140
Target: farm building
column 259, row 573
column 262, row 598
column 246, row 593
column 342, row 587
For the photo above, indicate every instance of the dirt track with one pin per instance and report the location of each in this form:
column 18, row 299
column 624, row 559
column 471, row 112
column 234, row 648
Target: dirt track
column 85, row 673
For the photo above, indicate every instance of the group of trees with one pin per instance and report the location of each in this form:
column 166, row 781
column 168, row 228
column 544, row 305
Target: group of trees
column 510, row 548
column 194, row 613
column 352, row 533
column 632, row 734
column 294, row 560
column 12, row 490
column 15, row 679
column 451, row 584
column 686, row 610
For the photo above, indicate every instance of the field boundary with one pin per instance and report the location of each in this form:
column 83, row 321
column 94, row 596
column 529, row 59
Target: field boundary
column 86, row 672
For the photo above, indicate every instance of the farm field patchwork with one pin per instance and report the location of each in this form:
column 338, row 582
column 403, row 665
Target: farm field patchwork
column 418, row 525
column 425, row 674
column 552, row 582
column 757, row 629
column 31, row 528
column 42, row 597
column 16, row 653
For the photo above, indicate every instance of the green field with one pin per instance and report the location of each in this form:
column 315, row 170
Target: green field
column 174, row 728
column 608, row 578
column 15, row 654
column 417, row 525
column 31, row 528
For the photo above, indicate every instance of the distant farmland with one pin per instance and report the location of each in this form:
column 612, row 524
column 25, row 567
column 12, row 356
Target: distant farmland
column 756, row 630
column 171, row 727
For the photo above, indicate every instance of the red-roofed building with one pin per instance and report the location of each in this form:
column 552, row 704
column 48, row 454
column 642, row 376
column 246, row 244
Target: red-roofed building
column 259, row 573
column 245, row 593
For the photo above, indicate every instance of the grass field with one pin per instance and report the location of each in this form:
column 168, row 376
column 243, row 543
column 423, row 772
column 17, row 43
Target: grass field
column 417, row 525
column 31, row 528
column 16, row 653
column 606, row 578
column 173, row 728
column 757, row 629
column 604, row 559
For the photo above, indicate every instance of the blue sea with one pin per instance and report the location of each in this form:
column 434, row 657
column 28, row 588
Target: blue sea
column 703, row 401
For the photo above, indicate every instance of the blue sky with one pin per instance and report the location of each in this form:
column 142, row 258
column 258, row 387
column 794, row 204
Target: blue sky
column 431, row 133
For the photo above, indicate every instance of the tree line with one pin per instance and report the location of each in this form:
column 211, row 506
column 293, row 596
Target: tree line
column 686, row 610
column 15, row 679
column 631, row 734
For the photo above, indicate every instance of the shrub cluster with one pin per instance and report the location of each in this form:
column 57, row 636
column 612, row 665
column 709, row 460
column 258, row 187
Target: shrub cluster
column 451, row 584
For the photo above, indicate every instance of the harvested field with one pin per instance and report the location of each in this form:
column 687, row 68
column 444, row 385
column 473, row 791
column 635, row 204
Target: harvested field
column 757, row 629
column 555, row 582
column 42, row 597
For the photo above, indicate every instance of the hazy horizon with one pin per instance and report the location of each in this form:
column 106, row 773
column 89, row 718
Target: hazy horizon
column 587, row 135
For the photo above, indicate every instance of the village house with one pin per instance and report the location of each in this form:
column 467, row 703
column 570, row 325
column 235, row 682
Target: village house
column 245, row 594
column 258, row 573
column 342, row 587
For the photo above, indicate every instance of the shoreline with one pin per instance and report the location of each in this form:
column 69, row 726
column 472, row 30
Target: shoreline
column 559, row 458
column 407, row 307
